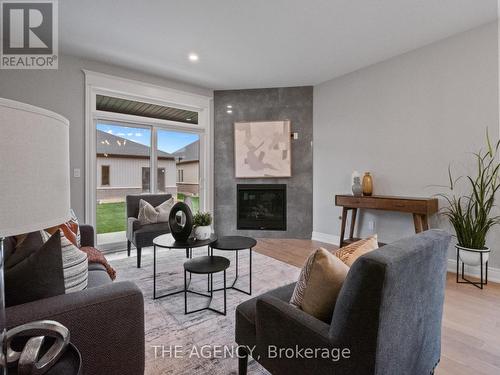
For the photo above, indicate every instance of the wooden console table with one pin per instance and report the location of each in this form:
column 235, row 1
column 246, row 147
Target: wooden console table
column 421, row 208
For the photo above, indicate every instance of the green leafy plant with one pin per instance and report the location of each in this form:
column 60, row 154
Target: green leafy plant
column 201, row 219
column 470, row 214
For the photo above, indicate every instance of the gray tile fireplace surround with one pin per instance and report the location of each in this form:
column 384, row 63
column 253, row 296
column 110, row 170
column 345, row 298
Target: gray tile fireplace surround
column 291, row 103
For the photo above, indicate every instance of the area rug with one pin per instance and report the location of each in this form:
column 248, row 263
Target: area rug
column 203, row 342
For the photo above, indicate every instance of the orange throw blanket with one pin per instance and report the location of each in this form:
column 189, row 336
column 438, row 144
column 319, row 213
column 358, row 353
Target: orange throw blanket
column 95, row 256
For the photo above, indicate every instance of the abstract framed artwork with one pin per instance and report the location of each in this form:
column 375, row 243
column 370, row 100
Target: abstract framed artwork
column 262, row 149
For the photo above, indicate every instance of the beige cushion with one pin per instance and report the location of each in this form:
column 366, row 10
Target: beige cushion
column 164, row 210
column 147, row 213
column 319, row 284
column 151, row 215
column 348, row 254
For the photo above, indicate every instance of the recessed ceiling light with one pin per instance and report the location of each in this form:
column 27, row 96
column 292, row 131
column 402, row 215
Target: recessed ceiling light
column 193, row 57
column 229, row 111
column 229, row 106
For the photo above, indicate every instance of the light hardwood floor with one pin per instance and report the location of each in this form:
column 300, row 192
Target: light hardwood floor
column 471, row 320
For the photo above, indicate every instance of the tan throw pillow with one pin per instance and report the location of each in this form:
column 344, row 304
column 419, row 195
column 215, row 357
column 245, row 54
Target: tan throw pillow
column 348, row 254
column 151, row 215
column 319, row 284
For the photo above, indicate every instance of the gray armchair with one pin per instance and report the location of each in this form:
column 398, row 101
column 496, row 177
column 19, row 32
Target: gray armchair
column 106, row 320
column 143, row 235
column 388, row 314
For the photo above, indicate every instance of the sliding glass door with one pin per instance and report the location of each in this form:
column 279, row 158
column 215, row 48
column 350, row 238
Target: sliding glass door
column 123, row 160
column 141, row 159
column 182, row 150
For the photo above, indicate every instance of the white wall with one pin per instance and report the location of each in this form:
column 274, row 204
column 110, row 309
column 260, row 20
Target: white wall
column 62, row 91
column 405, row 120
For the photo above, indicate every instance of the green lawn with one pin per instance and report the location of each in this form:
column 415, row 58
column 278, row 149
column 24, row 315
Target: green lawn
column 195, row 200
column 111, row 216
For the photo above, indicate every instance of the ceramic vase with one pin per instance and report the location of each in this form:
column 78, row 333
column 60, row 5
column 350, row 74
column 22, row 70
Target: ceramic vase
column 367, row 184
column 357, row 189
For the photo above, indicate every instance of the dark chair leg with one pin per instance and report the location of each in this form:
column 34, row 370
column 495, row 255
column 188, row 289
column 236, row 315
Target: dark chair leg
column 139, row 251
column 187, row 253
column 128, row 247
column 242, row 360
column 434, row 369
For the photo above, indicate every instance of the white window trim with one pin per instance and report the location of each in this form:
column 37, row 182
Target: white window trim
column 100, row 83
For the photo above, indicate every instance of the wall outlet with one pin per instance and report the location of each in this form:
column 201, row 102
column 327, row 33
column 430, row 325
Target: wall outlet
column 295, row 135
column 76, row 173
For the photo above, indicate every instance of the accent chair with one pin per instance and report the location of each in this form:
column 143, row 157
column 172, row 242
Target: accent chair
column 388, row 314
column 143, row 235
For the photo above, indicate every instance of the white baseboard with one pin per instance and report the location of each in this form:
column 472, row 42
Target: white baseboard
column 493, row 273
column 327, row 238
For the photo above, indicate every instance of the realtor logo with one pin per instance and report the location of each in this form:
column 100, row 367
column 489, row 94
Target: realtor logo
column 29, row 34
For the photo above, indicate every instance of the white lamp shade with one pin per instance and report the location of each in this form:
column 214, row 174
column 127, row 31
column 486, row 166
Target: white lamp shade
column 34, row 168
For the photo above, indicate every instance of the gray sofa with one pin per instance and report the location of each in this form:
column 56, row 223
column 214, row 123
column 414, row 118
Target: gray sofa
column 106, row 321
column 143, row 235
column 388, row 314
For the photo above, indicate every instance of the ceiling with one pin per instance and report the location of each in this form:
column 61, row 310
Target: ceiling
column 259, row 43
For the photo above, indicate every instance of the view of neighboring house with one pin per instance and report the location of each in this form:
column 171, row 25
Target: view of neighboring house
column 188, row 166
column 123, row 167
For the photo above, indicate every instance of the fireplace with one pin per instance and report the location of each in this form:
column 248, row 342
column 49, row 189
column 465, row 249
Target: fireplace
column 261, row 207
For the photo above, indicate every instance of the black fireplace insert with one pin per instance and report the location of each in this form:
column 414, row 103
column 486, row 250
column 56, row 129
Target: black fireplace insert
column 261, row 207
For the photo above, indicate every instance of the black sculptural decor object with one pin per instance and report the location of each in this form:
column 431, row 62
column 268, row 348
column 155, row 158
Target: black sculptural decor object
column 180, row 221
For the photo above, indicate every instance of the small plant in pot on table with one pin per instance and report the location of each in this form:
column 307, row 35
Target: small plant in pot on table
column 202, row 222
column 470, row 213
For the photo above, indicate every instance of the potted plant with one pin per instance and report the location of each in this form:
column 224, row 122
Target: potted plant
column 470, row 214
column 202, row 225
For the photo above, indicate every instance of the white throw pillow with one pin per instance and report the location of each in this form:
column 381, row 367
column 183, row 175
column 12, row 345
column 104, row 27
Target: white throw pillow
column 151, row 215
column 164, row 210
column 147, row 213
column 74, row 263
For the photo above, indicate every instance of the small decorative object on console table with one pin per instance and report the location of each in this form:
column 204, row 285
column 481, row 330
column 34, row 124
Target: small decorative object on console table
column 202, row 222
column 421, row 208
column 367, row 184
column 357, row 189
column 35, row 186
column 471, row 214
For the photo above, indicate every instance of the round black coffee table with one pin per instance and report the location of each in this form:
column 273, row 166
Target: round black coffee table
column 236, row 243
column 168, row 242
column 205, row 265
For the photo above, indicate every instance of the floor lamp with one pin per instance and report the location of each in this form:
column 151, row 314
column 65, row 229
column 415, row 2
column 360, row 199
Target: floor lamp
column 34, row 194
